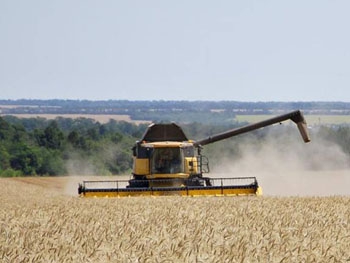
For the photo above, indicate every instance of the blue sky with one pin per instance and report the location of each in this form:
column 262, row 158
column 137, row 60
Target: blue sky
column 175, row 50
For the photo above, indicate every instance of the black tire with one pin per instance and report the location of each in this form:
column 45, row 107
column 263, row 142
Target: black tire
column 196, row 181
column 134, row 183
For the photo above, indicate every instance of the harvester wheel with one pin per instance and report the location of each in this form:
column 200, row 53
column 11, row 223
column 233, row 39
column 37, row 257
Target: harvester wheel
column 195, row 181
column 134, row 183
column 207, row 181
column 80, row 189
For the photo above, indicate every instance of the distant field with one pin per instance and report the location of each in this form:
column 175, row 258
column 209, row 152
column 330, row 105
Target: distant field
column 102, row 118
column 310, row 119
column 41, row 221
column 328, row 119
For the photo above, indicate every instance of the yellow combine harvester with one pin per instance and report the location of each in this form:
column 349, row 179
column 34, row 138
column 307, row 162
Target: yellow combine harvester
column 166, row 162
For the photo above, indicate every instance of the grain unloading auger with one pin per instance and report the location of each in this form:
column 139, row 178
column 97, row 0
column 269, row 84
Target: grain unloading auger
column 166, row 162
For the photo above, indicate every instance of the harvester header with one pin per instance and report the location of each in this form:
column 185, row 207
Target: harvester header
column 166, row 162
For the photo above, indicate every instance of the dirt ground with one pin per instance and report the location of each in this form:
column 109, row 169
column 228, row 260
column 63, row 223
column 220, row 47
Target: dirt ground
column 306, row 183
column 65, row 185
column 296, row 183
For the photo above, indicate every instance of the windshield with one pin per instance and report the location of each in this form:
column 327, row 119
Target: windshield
column 167, row 161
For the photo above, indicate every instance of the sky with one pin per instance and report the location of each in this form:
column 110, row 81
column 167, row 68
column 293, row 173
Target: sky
column 249, row 50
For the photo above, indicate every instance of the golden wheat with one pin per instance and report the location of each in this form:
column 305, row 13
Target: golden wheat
column 39, row 224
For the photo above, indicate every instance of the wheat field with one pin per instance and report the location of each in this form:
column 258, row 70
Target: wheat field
column 40, row 221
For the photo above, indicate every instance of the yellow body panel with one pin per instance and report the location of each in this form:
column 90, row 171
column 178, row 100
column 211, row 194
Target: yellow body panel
column 184, row 192
column 141, row 166
column 167, row 144
column 191, row 169
column 259, row 191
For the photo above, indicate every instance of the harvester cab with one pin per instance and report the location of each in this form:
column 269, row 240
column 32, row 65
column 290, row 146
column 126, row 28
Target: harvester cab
column 165, row 153
column 166, row 162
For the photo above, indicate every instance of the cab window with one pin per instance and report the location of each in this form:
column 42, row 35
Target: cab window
column 167, row 161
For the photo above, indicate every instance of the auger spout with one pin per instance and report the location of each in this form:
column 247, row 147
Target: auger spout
column 295, row 116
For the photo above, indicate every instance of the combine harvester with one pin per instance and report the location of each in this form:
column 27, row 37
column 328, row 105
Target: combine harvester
column 166, row 162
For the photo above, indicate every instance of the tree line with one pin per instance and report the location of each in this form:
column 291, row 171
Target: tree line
column 64, row 146
column 41, row 147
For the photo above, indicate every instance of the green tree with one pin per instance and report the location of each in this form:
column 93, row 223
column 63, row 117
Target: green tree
column 52, row 163
column 4, row 158
column 73, row 138
column 25, row 159
column 52, row 137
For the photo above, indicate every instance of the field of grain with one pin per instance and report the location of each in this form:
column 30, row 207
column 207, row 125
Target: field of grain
column 42, row 220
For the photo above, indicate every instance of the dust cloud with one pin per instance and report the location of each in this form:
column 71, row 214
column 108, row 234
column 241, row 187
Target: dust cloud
column 285, row 166
column 79, row 169
column 84, row 169
column 71, row 185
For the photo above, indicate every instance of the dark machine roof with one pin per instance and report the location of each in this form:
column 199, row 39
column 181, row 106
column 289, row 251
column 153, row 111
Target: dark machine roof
column 164, row 132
